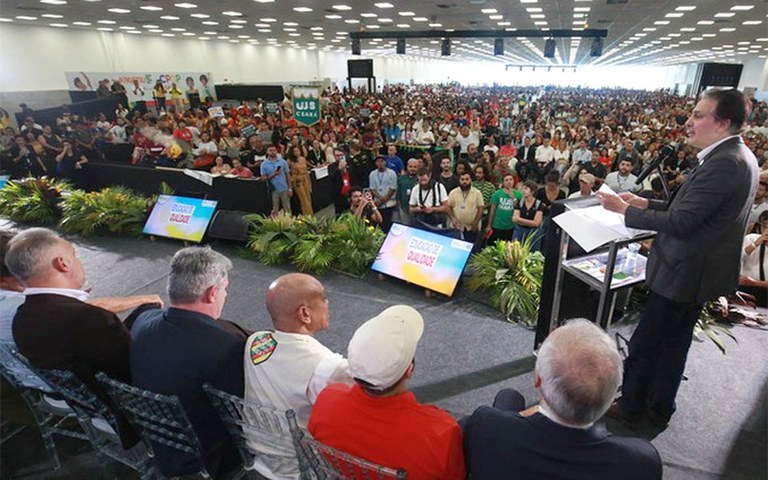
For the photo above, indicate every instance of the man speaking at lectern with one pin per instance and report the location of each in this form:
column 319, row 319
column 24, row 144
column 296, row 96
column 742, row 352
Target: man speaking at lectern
column 695, row 256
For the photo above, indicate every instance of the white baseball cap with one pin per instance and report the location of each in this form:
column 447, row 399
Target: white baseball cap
column 382, row 349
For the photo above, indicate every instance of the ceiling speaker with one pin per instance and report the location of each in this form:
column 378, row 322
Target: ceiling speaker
column 445, row 47
column 597, row 47
column 401, row 46
column 498, row 46
column 549, row 48
column 355, row 46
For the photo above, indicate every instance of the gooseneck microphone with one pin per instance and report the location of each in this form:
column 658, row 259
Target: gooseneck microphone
column 664, row 154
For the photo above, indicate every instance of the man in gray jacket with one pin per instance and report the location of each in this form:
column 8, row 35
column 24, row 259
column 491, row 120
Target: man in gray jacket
column 695, row 256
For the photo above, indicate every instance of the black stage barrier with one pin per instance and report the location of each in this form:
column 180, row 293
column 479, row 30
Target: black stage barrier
column 242, row 92
column 232, row 194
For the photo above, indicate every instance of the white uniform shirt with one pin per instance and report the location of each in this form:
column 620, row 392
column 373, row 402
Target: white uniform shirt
column 288, row 371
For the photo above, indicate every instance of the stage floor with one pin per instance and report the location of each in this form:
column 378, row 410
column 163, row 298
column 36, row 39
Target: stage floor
column 466, row 354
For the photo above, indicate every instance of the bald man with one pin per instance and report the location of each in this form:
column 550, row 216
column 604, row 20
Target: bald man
column 288, row 368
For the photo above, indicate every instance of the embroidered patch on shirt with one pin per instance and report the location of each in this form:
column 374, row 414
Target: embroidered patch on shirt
column 262, row 348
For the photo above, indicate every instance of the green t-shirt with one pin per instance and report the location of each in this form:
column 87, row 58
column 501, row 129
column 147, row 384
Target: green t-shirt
column 505, row 208
column 486, row 188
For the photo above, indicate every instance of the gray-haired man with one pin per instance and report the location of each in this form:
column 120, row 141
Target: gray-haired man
column 175, row 351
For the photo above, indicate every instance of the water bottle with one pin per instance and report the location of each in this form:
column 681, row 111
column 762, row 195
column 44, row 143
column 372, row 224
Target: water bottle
column 631, row 262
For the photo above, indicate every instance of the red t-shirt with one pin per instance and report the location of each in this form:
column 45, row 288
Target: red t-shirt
column 395, row 432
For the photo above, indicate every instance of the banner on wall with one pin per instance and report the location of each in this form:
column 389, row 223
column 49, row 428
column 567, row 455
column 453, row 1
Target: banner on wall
column 306, row 105
column 139, row 86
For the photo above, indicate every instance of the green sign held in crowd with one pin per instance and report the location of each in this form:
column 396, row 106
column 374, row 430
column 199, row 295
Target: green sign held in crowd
column 306, row 105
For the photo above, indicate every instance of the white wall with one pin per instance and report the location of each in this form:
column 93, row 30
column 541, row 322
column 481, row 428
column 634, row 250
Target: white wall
column 35, row 59
column 755, row 74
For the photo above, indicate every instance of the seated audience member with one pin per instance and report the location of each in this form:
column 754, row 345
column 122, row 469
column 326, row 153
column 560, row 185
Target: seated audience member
column 657, row 190
column 287, row 368
column 220, row 167
column 586, row 183
column 175, row 351
column 379, row 419
column 55, row 327
column 759, row 206
column 623, row 180
column 754, row 262
column 205, row 152
column 362, row 205
column 578, row 371
column 239, row 170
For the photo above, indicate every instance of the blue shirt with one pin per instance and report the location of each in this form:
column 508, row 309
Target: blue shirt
column 382, row 183
column 280, row 182
column 395, row 163
column 392, row 133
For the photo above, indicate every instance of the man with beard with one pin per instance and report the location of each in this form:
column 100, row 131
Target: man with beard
column 361, row 204
column 465, row 208
column 446, row 177
column 429, row 201
column 622, row 180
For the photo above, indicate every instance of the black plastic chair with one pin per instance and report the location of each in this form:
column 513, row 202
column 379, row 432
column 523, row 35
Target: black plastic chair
column 159, row 418
column 100, row 424
column 50, row 414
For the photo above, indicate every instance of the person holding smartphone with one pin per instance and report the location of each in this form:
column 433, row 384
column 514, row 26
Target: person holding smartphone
column 69, row 163
column 362, row 205
column 275, row 170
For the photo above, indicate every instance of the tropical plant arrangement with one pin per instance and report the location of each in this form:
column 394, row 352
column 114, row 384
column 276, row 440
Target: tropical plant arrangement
column 33, row 200
column 112, row 210
column 511, row 274
column 272, row 238
column 354, row 244
column 345, row 243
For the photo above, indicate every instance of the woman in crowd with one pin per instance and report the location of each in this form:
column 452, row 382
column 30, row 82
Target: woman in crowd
column 229, row 144
column 528, row 215
column 219, row 167
column 300, row 181
column 500, row 224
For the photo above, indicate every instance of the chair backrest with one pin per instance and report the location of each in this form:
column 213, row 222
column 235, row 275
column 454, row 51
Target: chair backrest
column 15, row 371
column 78, row 395
column 256, row 429
column 160, row 418
column 327, row 463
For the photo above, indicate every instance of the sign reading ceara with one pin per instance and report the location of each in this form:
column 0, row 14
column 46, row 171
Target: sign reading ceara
column 306, row 105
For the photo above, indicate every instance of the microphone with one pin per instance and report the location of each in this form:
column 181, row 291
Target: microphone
column 664, row 154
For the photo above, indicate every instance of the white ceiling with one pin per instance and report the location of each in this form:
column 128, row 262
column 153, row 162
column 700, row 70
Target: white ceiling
column 639, row 31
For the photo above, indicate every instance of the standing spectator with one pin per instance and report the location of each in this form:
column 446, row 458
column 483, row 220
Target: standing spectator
column 528, row 215
column 383, row 182
column 465, row 208
column 301, row 184
column 159, row 94
column 275, row 170
column 502, row 209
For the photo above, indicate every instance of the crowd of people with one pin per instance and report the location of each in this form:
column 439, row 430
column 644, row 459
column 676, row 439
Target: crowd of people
column 563, row 141
column 360, row 404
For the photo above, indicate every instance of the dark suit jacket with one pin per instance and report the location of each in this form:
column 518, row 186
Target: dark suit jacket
column 56, row 331
column 502, row 445
column 174, row 352
column 696, row 255
column 527, row 152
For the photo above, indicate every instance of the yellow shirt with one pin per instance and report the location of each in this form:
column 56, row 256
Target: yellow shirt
column 465, row 206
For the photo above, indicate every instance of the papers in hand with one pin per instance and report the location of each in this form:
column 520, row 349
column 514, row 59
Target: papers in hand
column 594, row 226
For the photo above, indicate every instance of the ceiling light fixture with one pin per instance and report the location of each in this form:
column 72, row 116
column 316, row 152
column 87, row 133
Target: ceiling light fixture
column 151, row 8
column 118, row 10
column 169, row 17
column 342, row 7
column 200, row 15
column 185, row 5
column 230, row 13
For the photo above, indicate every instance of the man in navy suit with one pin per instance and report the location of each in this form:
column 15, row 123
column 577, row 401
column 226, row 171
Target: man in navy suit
column 175, row 351
column 695, row 256
column 578, row 370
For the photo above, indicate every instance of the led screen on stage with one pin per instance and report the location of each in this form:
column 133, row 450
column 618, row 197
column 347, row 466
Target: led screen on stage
column 182, row 218
column 427, row 259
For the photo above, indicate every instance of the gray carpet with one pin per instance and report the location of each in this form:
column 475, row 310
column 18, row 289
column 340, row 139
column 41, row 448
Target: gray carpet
column 466, row 355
